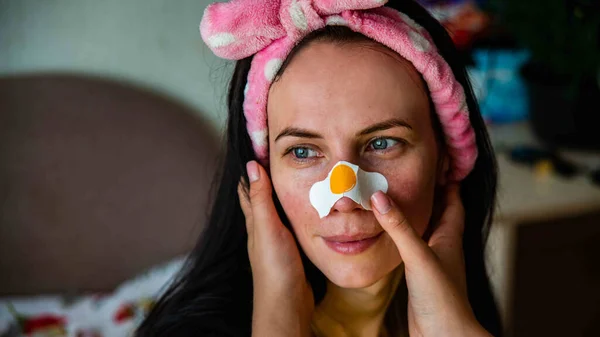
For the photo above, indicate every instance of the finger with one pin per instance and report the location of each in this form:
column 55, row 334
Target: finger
column 263, row 209
column 447, row 240
column 412, row 248
column 246, row 209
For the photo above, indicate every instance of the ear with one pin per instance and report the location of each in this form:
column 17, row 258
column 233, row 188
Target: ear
column 443, row 169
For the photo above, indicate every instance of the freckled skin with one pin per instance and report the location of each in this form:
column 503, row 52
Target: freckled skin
column 337, row 91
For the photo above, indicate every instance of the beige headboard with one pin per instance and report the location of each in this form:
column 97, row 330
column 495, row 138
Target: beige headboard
column 98, row 181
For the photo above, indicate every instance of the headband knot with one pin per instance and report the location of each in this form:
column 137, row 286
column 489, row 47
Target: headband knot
column 240, row 28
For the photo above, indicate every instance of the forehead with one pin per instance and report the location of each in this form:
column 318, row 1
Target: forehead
column 354, row 82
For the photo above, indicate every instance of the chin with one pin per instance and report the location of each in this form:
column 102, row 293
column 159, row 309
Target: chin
column 354, row 276
column 353, row 280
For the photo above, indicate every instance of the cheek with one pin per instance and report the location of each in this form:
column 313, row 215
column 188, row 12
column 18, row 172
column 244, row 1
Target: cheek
column 292, row 190
column 412, row 187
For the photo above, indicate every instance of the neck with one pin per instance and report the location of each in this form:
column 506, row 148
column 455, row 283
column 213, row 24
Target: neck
column 356, row 312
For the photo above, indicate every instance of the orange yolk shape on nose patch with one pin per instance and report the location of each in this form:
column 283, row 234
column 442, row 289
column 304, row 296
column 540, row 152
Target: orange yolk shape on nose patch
column 343, row 179
column 346, row 180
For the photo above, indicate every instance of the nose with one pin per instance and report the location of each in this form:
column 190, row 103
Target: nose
column 346, row 205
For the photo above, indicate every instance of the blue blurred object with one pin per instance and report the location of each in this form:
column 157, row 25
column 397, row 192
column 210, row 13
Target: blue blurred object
column 498, row 86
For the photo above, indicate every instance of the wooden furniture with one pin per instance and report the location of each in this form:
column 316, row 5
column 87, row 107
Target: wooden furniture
column 544, row 263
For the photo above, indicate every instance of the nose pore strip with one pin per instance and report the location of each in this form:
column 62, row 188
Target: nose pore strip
column 345, row 180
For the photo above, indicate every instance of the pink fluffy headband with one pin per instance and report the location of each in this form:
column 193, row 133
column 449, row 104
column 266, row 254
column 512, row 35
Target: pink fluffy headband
column 269, row 29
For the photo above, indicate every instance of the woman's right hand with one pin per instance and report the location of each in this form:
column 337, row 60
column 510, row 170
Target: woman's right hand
column 283, row 300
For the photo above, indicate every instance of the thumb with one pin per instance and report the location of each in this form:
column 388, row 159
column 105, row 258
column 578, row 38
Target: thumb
column 447, row 238
column 446, row 241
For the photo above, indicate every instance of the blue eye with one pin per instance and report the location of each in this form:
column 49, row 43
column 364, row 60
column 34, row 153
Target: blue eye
column 303, row 152
column 383, row 143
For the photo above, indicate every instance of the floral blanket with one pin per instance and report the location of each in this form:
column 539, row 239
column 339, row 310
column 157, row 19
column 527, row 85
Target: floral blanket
column 115, row 314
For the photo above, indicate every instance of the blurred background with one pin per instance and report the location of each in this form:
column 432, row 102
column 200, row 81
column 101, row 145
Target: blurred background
column 111, row 115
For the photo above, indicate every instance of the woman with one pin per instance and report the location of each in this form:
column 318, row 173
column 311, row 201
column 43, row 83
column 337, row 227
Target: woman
column 318, row 83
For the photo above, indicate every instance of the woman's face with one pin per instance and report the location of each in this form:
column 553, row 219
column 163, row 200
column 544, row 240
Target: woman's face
column 364, row 104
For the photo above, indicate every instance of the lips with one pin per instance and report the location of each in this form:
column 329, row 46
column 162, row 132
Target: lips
column 351, row 244
column 350, row 238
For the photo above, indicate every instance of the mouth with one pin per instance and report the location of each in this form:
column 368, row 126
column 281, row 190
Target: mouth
column 351, row 244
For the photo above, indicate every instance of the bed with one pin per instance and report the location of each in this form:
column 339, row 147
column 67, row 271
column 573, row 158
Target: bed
column 104, row 188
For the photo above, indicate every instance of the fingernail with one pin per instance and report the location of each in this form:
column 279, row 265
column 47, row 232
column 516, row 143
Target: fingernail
column 252, row 169
column 381, row 202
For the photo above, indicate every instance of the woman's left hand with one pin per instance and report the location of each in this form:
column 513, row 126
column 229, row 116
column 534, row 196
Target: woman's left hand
column 434, row 271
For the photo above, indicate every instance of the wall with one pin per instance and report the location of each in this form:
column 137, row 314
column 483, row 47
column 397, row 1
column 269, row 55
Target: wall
column 151, row 43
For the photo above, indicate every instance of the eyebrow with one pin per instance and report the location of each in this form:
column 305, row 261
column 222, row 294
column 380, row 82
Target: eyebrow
column 304, row 133
column 297, row 132
column 385, row 125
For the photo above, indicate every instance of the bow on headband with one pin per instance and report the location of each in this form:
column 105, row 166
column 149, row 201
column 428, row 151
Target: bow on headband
column 269, row 29
column 240, row 28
